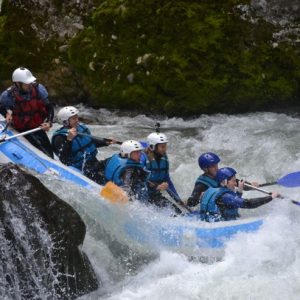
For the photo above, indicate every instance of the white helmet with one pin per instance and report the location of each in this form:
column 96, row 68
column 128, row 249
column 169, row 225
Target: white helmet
column 155, row 138
column 23, row 75
column 66, row 113
column 129, row 146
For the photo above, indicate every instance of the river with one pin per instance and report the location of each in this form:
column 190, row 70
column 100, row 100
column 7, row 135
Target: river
column 262, row 265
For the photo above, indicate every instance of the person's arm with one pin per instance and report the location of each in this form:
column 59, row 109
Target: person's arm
column 194, row 199
column 235, row 201
column 50, row 113
column 256, row 202
column 43, row 95
column 100, row 143
column 63, row 148
column 6, row 103
column 127, row 178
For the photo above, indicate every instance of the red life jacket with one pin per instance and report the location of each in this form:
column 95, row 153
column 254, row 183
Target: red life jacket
column 28, row 114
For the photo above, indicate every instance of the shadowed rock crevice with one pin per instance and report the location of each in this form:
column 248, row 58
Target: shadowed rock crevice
column 40, row 240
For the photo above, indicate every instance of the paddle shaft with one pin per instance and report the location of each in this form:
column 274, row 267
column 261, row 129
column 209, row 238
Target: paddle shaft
column 268, row 183
column 269, row 193
column 98, row 138
column 5, row 128
column 20, row 134
column 178, row 203
column 256, row 188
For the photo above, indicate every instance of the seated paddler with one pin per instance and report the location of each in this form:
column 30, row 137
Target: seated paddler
column 125, row 170
column 155, row 160
column 74, row 145
column 222, row 203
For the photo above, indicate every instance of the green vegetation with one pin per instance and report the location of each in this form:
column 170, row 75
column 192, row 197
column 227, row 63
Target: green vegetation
column 183, row 57
column 174, row 57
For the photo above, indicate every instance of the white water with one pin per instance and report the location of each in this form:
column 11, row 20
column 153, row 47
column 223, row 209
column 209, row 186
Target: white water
column 262, row 265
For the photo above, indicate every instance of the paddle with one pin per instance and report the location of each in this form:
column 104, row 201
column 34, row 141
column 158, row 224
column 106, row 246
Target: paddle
column 114, row 193
column 5, row 128
column 289, row 180
column 267, row 192
column 176, row 201
column 98, row 138
column 7, row 138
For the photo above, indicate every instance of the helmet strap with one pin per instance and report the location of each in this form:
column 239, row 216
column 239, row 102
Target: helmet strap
column 224, row 183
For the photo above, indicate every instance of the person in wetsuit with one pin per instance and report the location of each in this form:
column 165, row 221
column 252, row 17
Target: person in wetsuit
column 223, row 202
column 125, row 170
column 25, row 106
column 155, row 160
column 74, row 145
column 208, row 162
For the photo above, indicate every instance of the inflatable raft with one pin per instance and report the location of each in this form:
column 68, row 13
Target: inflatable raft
column 187, row 233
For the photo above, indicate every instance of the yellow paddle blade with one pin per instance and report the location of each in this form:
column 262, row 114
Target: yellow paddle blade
column 113, row 193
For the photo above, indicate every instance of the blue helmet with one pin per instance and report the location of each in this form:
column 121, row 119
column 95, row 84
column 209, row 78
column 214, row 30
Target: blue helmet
column 225, row 173
column 208, row 159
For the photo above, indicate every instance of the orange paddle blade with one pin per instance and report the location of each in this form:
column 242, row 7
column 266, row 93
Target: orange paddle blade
column 113, row 193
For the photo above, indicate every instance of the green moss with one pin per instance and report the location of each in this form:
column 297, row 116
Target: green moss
column 183, row 57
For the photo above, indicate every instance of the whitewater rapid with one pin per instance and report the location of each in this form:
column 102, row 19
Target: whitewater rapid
column 262, row 265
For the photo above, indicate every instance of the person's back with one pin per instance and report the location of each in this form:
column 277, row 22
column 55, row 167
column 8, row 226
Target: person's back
column 125, row 170
column 25, row 106
column 223, row 202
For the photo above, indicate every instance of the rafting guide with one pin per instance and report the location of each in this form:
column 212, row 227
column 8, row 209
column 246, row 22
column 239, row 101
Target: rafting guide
column 25, row 106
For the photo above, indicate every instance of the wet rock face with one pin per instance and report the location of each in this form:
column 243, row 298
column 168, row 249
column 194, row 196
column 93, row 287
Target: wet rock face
column 40, row 238
column 278, row 11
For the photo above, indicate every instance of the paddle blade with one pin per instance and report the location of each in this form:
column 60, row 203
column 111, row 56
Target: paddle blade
column 113, row 193
column 290, row 180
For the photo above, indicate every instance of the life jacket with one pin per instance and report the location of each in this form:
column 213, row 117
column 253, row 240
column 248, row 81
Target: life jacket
column 159, row 170
column 83, row 147
column 207, row 181
column 209, row 210
column 115, row 167
column 28, row 113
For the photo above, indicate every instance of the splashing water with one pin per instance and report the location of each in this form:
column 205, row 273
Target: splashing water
column 261, row 265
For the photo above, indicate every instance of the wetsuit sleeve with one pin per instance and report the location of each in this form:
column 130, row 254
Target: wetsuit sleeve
column 143, row 159
column 50, row 113
column 63, row 149
column 127, row 176
column 100, row 142
column 6, row 102
column 256, row 202
column 43, row 95
column 232, row 201
column 194, row 199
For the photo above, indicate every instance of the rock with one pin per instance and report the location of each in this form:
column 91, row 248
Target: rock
column 40, row 240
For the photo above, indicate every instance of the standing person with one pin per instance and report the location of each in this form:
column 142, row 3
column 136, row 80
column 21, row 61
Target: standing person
column 222, row 203
column 208, row 162
column 74, row 145
column 125, row 170
column 26, row 106
column 156, row 162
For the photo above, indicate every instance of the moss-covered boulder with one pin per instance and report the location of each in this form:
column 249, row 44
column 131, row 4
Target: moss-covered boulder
column 173, row 57
column 184, row 57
